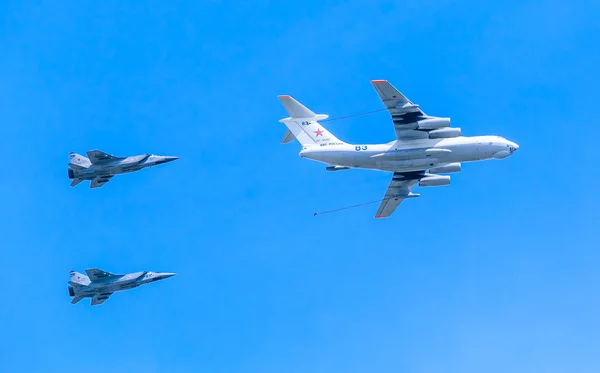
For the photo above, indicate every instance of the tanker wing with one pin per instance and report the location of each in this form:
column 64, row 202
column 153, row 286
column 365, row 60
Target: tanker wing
column 399, row 189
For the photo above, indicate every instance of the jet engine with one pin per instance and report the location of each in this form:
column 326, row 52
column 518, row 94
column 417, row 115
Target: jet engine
column 447, row 169
column 434, row 180
column 71, row 291
column 433, row 123
column 71, row 173
column 444, row 133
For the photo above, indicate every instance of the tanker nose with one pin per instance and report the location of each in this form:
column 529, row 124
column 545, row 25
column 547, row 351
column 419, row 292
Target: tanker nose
column 512, row 147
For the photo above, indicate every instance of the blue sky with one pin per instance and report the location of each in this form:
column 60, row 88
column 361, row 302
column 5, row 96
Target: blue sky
column 498, row 272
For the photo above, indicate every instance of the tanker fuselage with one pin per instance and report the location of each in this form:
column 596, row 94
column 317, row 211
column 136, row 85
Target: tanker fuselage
column 413, row 155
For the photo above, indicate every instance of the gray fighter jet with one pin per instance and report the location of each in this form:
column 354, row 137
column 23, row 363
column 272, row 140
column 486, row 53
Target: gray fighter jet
column 99, row 285
column 100, row 167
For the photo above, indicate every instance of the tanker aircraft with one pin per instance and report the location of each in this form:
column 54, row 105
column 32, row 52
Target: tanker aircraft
column 425, row 146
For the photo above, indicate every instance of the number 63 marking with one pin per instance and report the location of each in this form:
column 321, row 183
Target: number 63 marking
column 359, row 147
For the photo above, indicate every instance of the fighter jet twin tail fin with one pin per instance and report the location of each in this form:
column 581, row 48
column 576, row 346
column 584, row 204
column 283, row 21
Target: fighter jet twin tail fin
column 78, row 161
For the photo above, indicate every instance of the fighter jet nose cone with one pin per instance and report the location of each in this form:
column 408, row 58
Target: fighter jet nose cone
column 167, row 275
column 163, row 159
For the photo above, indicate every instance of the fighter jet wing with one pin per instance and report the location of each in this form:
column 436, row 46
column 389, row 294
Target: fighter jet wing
column 100, row 298
column 98, row 156
column 99, row 181
column 96, row 274
column 399, row 189
column 405, row 114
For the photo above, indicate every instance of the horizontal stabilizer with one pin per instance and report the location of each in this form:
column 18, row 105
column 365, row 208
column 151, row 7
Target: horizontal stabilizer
column 287, row 137
column 76, row 299
column 99, row 298
column 99, row 181
column 75, row 182
column 303, row 124
column 294, row 108
column 306, row 120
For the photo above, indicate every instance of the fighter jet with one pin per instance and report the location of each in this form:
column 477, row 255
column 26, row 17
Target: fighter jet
column 99, row 285
column 425, row 146
column 100, row 167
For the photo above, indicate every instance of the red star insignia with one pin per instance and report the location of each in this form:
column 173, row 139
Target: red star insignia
column 319, row 132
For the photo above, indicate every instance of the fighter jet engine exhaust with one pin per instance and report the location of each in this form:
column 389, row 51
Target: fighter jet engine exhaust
column 434, row 180
column 71, row 173
column 71, row 291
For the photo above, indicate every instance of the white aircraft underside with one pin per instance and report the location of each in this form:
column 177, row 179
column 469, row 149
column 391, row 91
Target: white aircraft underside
column 426, row 146
column 421, row 155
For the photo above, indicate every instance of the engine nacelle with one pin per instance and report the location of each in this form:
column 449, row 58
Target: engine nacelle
column 71, row 173
column 447, row 169
column 433, row 123
column 434, row 180
column 336, row 168
column 444, row 133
